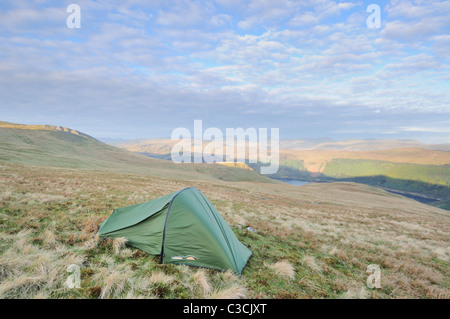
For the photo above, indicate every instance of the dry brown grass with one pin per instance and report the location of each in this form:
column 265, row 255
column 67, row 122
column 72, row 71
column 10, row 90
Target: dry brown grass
column 328, row 233
column 114, row 283
column 27, row 270
column 119, row 244
column 310, row 262
column 160, row 277
column 283, row 268
column 231, row 292
column 339, row 253
column 201, row 279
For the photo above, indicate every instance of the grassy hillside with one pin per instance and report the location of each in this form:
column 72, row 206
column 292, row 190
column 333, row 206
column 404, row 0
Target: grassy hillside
column 419, row 164
column 431, row 174
column 414, row 169
column 163, row 146
column 52, row 128
column 313, row 160
column 314, row 241
column 64, row 149
column 428, row 183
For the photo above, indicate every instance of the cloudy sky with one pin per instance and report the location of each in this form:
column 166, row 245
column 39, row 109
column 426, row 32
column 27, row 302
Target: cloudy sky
column 140, row 69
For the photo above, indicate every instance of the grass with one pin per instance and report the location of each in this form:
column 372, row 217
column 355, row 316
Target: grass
column 419, row 173
column 314, row 241
column 431, row 174
column 64, row 149
column 426, row 183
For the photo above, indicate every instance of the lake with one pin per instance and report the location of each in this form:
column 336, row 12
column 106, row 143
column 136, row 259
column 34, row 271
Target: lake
column 295, row 182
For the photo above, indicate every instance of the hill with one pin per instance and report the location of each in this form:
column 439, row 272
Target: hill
column 62, row 147
column 314, row 241
column 408, row 167
column 358, row 145
column 43, row 128
column 316, row 155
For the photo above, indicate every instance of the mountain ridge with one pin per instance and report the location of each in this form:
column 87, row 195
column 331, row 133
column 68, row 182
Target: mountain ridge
column 307, row 144
column 51, row 146
column 44, row 127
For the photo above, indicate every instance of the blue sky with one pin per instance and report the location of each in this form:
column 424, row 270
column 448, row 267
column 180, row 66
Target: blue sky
column 140, row 69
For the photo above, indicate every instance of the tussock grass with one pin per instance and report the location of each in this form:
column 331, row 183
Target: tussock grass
column 160, row 277
column 339, row 253
column 284, row 268
column 119, row 244
column 356, row 293
column 310, row 262
column 232, row 292
column 113, row 283
column 90, row 244
column 437, row 293
column 201, row 279
column 314, row 241
column 27, row 270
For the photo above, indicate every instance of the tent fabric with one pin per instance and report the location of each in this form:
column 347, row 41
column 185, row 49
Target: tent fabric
column 183, row 228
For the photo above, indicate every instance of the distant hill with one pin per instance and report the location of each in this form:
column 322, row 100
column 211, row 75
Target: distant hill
column 45, row 145
column 315, row 154
column 315, row 161
column 43, row 128
column 405, row 166
column 156, row 147
column 309, row 242
column 358, row 145
column 161, row 146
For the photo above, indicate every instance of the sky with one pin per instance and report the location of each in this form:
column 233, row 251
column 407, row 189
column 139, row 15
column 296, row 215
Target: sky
column 140, row 69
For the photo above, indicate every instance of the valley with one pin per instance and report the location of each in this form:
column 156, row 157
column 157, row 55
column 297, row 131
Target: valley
column 313, row 241
column 408, row 167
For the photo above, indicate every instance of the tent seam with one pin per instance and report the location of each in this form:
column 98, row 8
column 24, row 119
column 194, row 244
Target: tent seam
column 165, row 223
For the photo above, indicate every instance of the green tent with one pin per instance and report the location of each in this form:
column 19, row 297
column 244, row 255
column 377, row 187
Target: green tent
column 183, row 228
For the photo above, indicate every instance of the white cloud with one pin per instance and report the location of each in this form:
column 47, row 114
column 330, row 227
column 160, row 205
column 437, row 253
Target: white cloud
column 289, row 63
column 411, row 65
column 417, row 9
column 414, row 30
column 183, row 14
column 426, row 129
column 303, row 19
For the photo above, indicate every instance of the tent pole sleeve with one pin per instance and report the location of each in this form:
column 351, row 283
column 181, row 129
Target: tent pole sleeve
column 165, row 224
